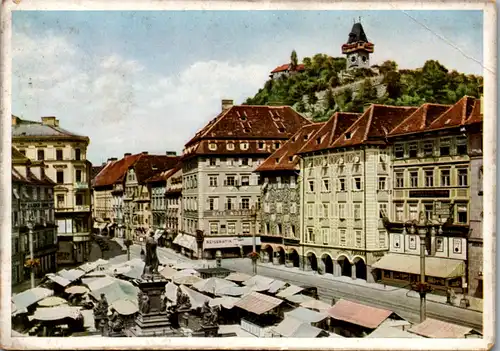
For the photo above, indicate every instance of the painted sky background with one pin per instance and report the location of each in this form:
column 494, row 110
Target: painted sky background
column 137, row 81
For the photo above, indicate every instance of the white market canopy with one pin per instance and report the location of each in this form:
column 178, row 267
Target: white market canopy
column 290, row 291
column 125, row 307
column 238, row 277
column 213, row 285
column 186, row 279
column 227, row 302
column 52, row 301
column 306, row 315
column 55, row 313
column 31, row 296
column 197, row 299
column 234, row 291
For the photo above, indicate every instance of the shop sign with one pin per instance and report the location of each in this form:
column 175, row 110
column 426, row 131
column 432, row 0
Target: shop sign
column 429, row 193
column 215, row 243
column 358, row 253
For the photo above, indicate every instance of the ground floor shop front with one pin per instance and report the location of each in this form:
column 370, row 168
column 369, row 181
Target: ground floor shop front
column 73, row 249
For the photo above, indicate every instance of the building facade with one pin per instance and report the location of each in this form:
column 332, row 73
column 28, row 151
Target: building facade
column 32, row 205
column 173, row 198
column 432, row 183
column 220, row 192
column 279, row 213
column 64, row 155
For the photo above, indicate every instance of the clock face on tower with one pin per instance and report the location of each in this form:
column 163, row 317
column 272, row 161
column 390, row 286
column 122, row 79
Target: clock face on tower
column 363, row 58
column 353, row 58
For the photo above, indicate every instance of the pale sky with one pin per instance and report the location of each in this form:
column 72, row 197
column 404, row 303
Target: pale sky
column 147, row 81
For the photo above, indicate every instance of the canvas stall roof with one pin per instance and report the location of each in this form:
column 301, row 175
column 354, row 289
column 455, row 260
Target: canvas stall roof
column 316, row 305
column 234, row 291
column 189, row 271
column 134, row 272
column 290, row 291
column 16, row 334
column 88, row 319
column 299, row 298
column 184, row 265
column 294, row 328
column 197, row 299
column 235, row 329
column 125, row 307
column 90, row 266
column 72, row 274
column 52, row 301
column 359, row 314
column 213, row 284
column 334, row 335
column 171, row 291
column 258, row 280
column 433, row 328
column 168, row 272
column 275, row 286
column 258, row 303
column 31, row 296
column 58, row 279
column 55, row 313
column 434, row 266
column 118, row 290
column 385, row 331
column 226, row 302
column 98, row 283
column 306, row 315
column 237, row 277
column 186, row 279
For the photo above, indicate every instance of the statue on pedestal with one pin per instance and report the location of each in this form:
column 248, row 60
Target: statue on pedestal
column 100, row 310
column 210, row 315
column 182, row 301
column 151, row 258
column 115, row 322
column 144, row 303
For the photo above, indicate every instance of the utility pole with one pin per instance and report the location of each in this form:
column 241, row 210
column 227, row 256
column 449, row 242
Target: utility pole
column 254, row 243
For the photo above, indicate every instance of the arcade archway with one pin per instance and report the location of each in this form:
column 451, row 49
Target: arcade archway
column 328, row 263
column 345, row 266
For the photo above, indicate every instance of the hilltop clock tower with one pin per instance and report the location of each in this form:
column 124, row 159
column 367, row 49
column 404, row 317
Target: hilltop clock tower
column 357, row 48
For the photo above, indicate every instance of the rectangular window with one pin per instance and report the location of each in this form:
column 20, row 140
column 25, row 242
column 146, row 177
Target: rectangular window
column 213, row 181
column 40, row 155
column 326, row 209
column 326, row 185
column 231, row 228
column 78, row 175
column 212, row 204
column 279, row 207
column 428, row 148
column 325, row 236
column 293, row 182
column 462, row 213
column 382, row 183
column 60, row 177
column 311, row 186
column 413, row 209
column 382, row 210
column 429, row 178
column 342, row 184
column 439, row 244
column 79, row 199
column 444, row 147
column 244, row 161
column 293, row 208
column 399, row 180
column 357, row 211
column 229, row 204
column 414, row 179
column 462, row 177
column 381, row 238
column 230, row 162
column 23, row 152
column 356, row 183
column 429, row 211
column 310, row 210
column 230, row 181
column 358, row 238
column 445, row 177
column 400, row 212
column 245, row 180
column 212, row 161
column 310, row 235
column 341, row 211
column 214, row 228
column 245, row 226
column 245, row 203
column 342, row 237
column 59, row 155
column 292, row 231
column 257, row 203
column 356, row 168
column 399, row 150
column 413, row 149
column 78, row 154
column 461, row 145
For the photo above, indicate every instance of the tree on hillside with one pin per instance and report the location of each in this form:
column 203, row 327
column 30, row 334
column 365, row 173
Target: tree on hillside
column 293, row 61
column 388, row 66
column 329, row 100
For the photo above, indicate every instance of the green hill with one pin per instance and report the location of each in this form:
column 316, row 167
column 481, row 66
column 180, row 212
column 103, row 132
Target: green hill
column 324, row 87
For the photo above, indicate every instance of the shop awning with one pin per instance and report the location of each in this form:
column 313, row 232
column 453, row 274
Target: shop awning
column 306, row 315
column 31, row 296
column 359, row 314
column 258, row 303
column 186, row 241
column 432, row 328
column 158, row 233
column 434, row 266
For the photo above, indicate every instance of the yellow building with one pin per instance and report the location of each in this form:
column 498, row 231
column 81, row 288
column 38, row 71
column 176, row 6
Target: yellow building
column 64, row 156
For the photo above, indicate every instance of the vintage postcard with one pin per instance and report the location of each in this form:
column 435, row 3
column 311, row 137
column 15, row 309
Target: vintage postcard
column 244, row 175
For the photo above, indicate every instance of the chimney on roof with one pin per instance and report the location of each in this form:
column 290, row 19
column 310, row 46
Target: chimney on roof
column 127, row 154
column 171, row 153
column 14, row 120
column 144, row 152
column 111, row 159
column 226, row 104
column 50, row 121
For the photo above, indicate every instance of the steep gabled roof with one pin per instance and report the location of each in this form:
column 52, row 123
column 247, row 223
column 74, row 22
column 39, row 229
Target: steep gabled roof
column 357, row 34
column 329, row 132
column 147, row 165
column 284, row 158
column 374, row 125
column 115, row 171
column 476, row 115
column 164, row 175
column 421, row 119
column 456, row 115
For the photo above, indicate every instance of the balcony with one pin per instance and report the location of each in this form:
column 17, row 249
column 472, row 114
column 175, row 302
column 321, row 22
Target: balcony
column 81, row 186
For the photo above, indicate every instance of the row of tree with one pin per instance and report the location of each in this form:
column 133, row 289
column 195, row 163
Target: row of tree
column 432, row 83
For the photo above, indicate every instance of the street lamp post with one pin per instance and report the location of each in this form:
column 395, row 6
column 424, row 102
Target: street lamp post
column 32, row 252
column 254, row 243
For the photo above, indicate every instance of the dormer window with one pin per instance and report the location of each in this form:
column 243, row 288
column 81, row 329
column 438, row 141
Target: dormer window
column 306, row 137
column 246, row 130
column 261, row 145
column 348, row 135
column 277, row 160
column 230, row 146
column 290, row 159
column 277, row 145
column 318, row 140
column 281, row 130
column 244, row 146
column 212, row 146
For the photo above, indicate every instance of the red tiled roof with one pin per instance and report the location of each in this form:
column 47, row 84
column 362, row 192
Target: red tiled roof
column 147, row 165
column 164, row 175
column 115, row 171
column 476, row 115
column 245, row 123
column 284, row 158
column 421, row 119
column 456, row 115
column 330, row 131
column 286, row 67
column 373, row 125
column 359, row 314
